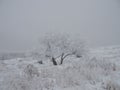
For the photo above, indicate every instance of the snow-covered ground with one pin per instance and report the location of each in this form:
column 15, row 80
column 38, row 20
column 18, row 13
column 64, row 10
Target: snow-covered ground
column 100, row 70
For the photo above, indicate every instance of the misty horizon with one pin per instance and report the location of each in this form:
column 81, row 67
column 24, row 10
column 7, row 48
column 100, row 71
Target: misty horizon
column 22, row 22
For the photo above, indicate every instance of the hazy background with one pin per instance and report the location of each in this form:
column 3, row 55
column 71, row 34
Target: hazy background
column 22, row 22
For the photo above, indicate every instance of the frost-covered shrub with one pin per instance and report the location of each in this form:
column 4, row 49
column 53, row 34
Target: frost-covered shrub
column 19, row 84
column 106, row 66
column 30, row 71
column 22, row 83
column 111, row 85
column 13, row 81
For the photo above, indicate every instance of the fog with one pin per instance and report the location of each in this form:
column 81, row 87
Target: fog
column 22, row 22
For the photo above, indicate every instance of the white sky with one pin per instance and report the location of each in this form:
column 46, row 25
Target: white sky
column 22, row 22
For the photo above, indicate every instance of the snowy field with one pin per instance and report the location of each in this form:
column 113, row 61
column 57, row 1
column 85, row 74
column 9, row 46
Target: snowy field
column 100, row 70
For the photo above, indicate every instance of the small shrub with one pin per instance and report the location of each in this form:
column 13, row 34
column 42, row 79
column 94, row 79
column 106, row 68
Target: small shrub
column 30, row 71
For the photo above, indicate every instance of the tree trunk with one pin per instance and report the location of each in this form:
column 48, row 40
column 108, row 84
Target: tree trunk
column 62, row 58
column 61, row 61
column 54, row 62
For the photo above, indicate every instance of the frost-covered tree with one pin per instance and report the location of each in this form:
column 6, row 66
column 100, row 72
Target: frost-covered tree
column 61, row 46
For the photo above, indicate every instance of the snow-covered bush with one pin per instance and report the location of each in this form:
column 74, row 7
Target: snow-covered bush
column 22, row 83
column 30, row 71
column 111, row 84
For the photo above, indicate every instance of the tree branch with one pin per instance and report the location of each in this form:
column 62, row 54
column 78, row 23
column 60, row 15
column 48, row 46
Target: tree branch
column 67, row 55
column 58, row 56
column 63, row 57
